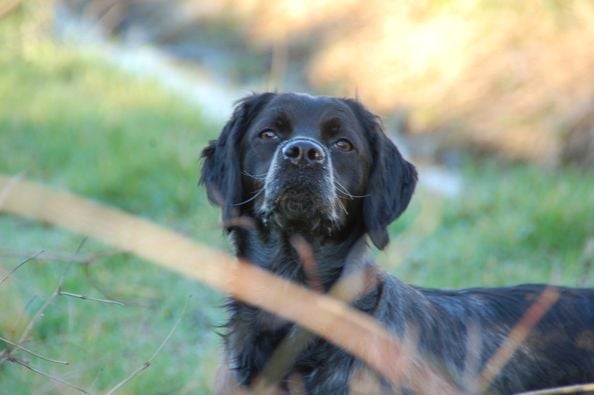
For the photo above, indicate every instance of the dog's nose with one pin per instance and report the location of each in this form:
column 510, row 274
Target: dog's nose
column 304, row 152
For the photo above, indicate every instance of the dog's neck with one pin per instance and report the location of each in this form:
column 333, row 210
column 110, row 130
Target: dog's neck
column 299, row 257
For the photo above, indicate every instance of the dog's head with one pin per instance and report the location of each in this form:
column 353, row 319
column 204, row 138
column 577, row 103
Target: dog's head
column 307, row 165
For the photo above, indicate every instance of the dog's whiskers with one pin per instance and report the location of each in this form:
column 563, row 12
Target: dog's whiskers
column 258, row 193
column 342, row 207
column 343, row 191
column 261, row 177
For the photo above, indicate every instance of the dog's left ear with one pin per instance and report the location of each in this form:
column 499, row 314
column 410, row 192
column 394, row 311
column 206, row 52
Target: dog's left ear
column 221, row 170
column 391, row 181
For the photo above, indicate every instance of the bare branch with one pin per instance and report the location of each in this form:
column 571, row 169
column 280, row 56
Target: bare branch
column 40, row 312
column 84, row 297
column 16, row 345
column 148, row 362
column 6, row 354
column 49, row 376
column 17, row 267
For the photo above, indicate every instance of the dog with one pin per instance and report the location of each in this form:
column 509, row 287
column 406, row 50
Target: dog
column 321, row 170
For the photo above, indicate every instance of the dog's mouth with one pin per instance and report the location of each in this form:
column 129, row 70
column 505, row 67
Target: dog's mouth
column 297, row 205
column 295, row 208
column 300, row 203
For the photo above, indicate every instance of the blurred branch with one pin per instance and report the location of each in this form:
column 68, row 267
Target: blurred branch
column 148, row 362
column 347, row 289
column 8, row 7
column 571, row 389
column 352, row 330
column 278, row 66
column 517, row 335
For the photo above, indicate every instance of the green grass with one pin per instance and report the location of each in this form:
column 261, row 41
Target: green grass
column 74, row 123
column 511, row 224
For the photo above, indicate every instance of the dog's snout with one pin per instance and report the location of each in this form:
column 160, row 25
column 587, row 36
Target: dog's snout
column 304, row 152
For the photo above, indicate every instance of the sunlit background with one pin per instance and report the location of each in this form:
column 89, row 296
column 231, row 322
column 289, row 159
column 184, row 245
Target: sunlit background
column 114, row 99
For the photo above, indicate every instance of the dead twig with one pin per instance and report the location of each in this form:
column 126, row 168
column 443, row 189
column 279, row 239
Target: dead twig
column 6, row 354
column 40, row 312
column 149, row 361
column 84, row 297
column 17, row 267
column 47, row 375
column 18, row 346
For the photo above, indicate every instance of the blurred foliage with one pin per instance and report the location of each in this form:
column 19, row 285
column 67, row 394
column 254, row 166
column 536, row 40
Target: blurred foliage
column 504, row 75
column 505, row 72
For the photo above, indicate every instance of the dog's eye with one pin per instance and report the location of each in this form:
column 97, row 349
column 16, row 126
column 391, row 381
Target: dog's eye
column 268, row 135
column 343, row 145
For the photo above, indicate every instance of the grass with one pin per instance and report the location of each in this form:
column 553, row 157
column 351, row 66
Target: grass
column 75, row 123
column 511, row 224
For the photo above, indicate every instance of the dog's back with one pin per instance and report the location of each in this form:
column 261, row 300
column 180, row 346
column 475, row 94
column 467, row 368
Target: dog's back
column 522, row 337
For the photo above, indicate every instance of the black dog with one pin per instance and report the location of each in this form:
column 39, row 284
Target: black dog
column 321, row 168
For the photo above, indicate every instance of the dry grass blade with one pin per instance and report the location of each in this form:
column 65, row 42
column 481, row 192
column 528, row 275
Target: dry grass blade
column 148, row 362
column 7, row 185
column 9, row 7
column 308, row 262
column 17, row 267
column 352, row 330
column 517, row 335
column 57, row 257
column 347, row 289
column 49, row 376
column 281, row 361
column 571, row 389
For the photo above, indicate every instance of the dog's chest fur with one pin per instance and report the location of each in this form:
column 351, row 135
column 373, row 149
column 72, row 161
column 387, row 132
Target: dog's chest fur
column 253, row 335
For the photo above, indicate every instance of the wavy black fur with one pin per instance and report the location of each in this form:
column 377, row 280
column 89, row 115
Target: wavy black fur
column 559, row 350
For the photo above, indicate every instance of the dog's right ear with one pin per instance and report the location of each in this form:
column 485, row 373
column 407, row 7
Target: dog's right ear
column 221, row 169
